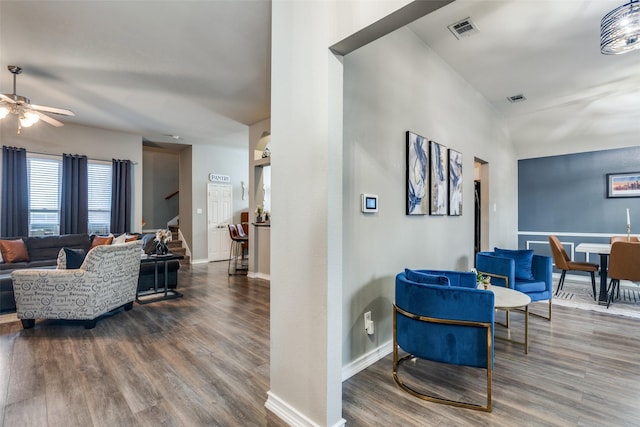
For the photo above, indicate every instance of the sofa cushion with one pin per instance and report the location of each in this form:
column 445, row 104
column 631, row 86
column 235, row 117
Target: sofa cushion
column 14, row 251
column 47, row 247
column 70, row 258
column 530, row 286
column 428, row 279
column 523, row 259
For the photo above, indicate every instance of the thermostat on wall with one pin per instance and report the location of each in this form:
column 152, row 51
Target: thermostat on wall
column 369, row 202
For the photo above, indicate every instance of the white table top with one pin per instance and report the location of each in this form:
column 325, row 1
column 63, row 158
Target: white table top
column 508, row 298
column 595, row 248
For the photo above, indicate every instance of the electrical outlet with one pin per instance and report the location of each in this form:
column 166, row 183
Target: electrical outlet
column 368, row 323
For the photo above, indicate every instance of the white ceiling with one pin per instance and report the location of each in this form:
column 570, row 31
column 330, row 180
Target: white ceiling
column 200, row 69
column 197, row 69
column 550, row 52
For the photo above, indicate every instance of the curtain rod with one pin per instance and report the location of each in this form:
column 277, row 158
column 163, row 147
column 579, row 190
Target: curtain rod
column 60, row 155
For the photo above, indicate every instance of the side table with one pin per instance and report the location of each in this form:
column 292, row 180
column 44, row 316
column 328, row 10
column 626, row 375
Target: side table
column 158, row 293
column 509, row 299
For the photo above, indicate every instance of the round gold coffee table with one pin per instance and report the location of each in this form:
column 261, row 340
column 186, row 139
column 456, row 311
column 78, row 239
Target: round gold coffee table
column 509, row 299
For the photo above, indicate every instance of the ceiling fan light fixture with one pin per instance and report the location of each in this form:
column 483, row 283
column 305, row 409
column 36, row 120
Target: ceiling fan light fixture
column 620, row 29
column 28, row 114
column 3, row 111
column 28, row 119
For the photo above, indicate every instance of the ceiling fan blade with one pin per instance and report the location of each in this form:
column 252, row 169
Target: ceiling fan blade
column 5, row 98
column 50, row 120
column 53, row 110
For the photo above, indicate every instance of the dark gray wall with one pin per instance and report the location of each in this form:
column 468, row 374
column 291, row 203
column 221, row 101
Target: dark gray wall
column 568, row 194
column 160, row 180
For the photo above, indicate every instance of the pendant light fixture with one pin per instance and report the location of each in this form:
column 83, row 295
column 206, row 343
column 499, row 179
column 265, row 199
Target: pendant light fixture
column 620, row 29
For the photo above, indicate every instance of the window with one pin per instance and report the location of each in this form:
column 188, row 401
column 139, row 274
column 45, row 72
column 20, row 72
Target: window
column 99, row 197
column 45, row 177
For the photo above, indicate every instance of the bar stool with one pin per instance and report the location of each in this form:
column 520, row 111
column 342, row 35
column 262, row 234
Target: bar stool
column 245, row 243
column 235, row 250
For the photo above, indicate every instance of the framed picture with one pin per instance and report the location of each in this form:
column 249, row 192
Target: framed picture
column 417, row 174
column 623, row 184
column 455, row 182
column 439, row 194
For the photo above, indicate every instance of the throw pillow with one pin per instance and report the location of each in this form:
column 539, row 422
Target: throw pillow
column 70, row 258
column 101, row 240
column 120, row 239
column 14, row 251
column 124, row 238
column 148, row 243
column 429, row 279
column 523, row 259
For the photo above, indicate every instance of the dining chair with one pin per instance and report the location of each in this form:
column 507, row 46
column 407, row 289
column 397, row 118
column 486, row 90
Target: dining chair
column 564, row 263
column 623, row 265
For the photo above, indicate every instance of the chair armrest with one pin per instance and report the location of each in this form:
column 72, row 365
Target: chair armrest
column 542, row 269
column 502, row 270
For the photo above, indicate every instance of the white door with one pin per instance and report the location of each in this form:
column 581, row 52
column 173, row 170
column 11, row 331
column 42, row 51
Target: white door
column 219, row 216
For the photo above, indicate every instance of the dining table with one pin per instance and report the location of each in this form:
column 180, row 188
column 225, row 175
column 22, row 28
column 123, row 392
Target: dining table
column 604, row 250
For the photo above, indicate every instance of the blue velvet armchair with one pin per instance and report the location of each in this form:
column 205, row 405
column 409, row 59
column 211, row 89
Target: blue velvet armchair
column 441, row 316
column 521, row 270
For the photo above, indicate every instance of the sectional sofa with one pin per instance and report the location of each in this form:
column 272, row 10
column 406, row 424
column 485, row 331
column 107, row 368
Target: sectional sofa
column 43, row 253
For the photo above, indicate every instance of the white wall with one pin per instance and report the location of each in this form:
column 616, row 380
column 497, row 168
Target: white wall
column 306, row 230
column 206, row 159
column 93, row 142
column 393, row 85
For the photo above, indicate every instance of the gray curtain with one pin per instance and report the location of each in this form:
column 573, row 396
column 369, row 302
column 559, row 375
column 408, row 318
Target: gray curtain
column 74, row 195
column 121, row 196
column 15, row 193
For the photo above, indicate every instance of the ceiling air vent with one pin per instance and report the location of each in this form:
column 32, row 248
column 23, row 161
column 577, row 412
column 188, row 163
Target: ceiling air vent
column 463, row 28
column 516, row 98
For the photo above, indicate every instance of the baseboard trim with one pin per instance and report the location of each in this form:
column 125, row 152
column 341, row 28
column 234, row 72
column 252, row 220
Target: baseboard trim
column 263, row 276
column 290, row 415
column 199, row 261
column 366, row 360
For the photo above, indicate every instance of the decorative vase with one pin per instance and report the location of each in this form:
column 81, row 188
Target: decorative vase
column 161, row 248
column 259, row 218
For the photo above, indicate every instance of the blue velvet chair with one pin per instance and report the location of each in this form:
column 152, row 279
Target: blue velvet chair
column 521, row 270
column 441, row 316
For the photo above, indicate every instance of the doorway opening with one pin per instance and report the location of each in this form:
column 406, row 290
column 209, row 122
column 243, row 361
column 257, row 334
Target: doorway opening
column 481, row 206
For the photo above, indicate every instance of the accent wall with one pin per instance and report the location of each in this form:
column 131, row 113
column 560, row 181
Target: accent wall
column 566, row 195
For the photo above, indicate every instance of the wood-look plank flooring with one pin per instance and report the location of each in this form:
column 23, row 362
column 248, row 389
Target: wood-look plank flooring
column 203, row 360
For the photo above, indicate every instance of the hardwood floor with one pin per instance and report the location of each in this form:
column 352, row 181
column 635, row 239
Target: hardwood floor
column 203, row 360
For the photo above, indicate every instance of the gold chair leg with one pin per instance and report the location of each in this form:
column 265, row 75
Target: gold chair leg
column 397, row 362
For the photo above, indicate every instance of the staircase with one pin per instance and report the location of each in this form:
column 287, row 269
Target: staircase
column 176, row 247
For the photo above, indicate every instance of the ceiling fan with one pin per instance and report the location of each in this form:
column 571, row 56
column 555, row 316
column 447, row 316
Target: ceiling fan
column 27, row 113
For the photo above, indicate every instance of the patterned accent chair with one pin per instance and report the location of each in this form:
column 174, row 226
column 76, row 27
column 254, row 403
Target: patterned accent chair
column 106, row 280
